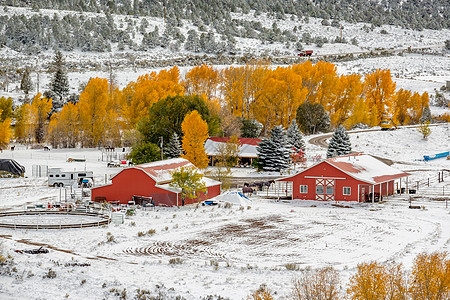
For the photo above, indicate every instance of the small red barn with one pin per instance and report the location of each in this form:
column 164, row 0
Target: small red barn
column 151, row 180
column 354, row 177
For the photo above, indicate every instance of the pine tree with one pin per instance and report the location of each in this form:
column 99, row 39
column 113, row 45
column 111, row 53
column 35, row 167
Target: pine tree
column 294, row 136
column 60, row 82
column 426, row 115
column 173, row 149
column 274, row 152
column 26, row 85
column 339, row 144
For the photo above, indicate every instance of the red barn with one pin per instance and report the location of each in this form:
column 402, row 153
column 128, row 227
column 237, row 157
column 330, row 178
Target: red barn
column 354, row 177
column 151, row 180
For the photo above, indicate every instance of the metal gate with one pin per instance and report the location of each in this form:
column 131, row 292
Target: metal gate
column 324, row 189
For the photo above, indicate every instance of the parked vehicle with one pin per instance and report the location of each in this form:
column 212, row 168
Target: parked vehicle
column 58, row 178
column 306, row 53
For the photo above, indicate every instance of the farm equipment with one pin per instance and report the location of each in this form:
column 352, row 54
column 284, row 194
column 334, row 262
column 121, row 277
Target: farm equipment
column 306, row 53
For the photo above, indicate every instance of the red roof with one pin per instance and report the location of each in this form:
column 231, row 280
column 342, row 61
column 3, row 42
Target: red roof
column 363, row 167
column 243, row 141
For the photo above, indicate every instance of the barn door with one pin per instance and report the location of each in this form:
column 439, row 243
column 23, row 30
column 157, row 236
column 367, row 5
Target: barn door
column 325, row 189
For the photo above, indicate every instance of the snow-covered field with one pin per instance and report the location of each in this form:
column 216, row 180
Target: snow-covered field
column 223, row 251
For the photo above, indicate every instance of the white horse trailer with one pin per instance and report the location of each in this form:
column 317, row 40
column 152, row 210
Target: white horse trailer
column 57, row 177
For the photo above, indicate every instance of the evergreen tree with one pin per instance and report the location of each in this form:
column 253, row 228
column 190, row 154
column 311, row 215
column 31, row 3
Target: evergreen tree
column 426, row 115
column 274, row 152
column 339, row 144
column 59, row 85
column 294, row 136
column 26, row 85
column 173, row 148
column 251, row 128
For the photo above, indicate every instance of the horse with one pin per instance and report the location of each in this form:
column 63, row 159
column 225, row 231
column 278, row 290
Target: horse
column 12, row 148
column 247, row 190
column 46, row 148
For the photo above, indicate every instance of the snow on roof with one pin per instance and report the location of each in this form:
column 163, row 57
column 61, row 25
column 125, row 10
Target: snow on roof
column 366, row 168
column 247, row 148
column 362, row 167
column 160, row 171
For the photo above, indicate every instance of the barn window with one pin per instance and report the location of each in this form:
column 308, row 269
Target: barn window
column 330, row 190
column 319, row 189
column 304, row 189
column 347, row 190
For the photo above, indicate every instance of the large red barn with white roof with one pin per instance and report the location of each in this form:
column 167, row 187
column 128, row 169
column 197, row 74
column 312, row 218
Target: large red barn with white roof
column 354, row 177
column 151, row 180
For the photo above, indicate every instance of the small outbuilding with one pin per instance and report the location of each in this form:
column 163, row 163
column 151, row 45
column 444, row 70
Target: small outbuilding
column 151, row 181
column 247, row 150
column 353, row 177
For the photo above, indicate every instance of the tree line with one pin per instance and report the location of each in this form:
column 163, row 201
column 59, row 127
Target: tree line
column 410, row 14
column 245, row 101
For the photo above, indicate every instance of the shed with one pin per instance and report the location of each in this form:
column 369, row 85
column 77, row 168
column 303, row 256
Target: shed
column 151, row 180
column 247, row 150
column 353, row 177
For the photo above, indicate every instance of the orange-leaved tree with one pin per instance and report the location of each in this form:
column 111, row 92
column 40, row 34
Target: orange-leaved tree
column 93, row 111
column 5, row 131
column 139, row 96
column 195, row 133
column 379, row 90
column 374, row 281
column 430, row 277
column 64, row 127
column 40, row 109
column 202, row 80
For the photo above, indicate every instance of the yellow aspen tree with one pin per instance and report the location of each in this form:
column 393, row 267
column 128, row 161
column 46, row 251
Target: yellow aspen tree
column 233, row 89
column 369, row 282
column 5, row 131
column 202, row 80
column 401, row 107
column 266, row 109
column 430, row 276
column 93, row 111
column 21, row 115
column 418, row 103
column 139, row 96
column 345, row 100
column 54, row 135
column 40, row 109
column 195, row 133
column 379, row 90
column 69, row 125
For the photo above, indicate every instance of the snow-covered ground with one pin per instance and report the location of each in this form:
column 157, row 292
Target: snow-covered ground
column 223, row 251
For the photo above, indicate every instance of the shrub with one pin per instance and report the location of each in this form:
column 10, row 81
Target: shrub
column 377, row 281
column 50, row 274
column 228, row 205
column 175, row 261
column 292, row 267
column 151, row 231
column 140, row 234
column 318, row 284
column 263, row 293
column 430, row 277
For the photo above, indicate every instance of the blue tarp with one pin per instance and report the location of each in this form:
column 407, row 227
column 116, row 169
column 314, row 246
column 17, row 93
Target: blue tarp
column 434, row 156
